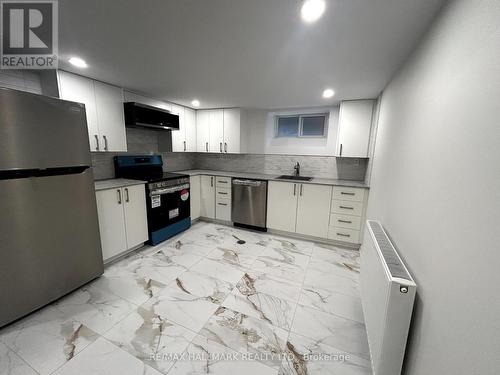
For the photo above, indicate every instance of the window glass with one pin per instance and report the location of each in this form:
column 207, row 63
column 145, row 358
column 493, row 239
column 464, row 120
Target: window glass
column 313, row 126
column 288, row 126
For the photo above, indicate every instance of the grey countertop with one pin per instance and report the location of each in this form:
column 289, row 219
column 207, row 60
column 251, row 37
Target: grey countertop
column 115, row 183
column 259, row 176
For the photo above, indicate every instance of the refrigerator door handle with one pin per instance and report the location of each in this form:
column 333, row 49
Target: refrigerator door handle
column 96, row 142
column 105, row 142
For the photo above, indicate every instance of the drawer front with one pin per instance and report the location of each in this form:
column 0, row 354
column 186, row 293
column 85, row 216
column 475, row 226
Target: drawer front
column 345, row 221
column 347, row 207
column 223, row 193
column 224, row 182
column 344, row 235
column 348, row 194
column 223, row 209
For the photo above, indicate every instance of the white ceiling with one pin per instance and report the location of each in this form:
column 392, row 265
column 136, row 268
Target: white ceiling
column 242, row 53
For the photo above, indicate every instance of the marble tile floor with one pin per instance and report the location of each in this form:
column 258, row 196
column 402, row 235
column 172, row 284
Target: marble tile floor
column 214, row 299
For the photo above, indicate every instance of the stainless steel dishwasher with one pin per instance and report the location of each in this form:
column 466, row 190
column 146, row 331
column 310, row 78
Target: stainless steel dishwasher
column 249, row 203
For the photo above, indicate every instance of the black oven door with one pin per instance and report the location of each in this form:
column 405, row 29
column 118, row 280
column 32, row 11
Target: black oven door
column 167, row 206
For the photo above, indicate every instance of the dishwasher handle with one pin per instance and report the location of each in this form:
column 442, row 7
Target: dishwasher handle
column 247, row 182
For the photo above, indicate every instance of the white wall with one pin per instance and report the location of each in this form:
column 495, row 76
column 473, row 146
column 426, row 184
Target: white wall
column 260, row 137
column 436, row 187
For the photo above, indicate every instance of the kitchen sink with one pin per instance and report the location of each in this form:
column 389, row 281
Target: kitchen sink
column 295, row 178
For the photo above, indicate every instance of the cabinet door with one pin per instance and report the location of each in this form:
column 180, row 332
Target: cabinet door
column 313, row 210
column 179, row 136
column 202, row 130
column 195, row 182
column 190, row 125
column 232, row 130
column 355, row 123
column 216, row 136
column 110, row 117
column 207, row 201
column 136, row 222
column 79, row 89
column 111, row 222
column 282, row 205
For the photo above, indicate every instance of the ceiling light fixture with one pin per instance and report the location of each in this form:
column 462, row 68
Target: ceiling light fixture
column 195, row 103
column 312, row 10
column 328, row 93
column 78, row 62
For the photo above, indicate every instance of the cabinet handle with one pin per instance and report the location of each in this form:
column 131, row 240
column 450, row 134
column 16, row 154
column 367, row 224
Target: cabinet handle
column 222, row 182
column 119, row 196
column 345, row 193
column 211, row 182
column 184, row 146
column 343, row 235
column 346, row 208
column 345, row 221
column 225, row 147
column 301, row 189
column 341, row 149
column 206, row 146
column 294, row 189
column 222, row 204
column 97, row 142
column 222, row 193
column 126, row 195
column 220, row 146
column 105, row 143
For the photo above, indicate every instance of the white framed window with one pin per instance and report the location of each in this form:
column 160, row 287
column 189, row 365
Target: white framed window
column 301, row 126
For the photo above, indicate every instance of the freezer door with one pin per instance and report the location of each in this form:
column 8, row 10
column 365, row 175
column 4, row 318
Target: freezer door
column 39, row 132
column 49, row 240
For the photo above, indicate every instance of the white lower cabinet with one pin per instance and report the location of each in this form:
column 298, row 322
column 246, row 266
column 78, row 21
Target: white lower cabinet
column 299, row 208
column 122, row 219
column 223, row 198
column 347, row 214
column 195, row 199
column 282, row 206
column 207, row 203
column 313, row 210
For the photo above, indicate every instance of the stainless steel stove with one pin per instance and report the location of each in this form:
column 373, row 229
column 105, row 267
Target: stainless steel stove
column 167, row 194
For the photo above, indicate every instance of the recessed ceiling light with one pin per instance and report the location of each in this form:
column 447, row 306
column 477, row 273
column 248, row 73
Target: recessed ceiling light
column 78, row 62
column 328, row 93
column 195, row 103
column 312, row 10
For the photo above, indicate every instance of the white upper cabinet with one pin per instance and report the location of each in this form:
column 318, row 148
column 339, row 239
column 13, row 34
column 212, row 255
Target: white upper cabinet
column 104, row 109
column 190, row 126
column 216, row 132
column 110, row 117
column 79, row 89
column 184, row 139
column 354, row 128
column 202, row 131
column 232, row 140
column 179, row 136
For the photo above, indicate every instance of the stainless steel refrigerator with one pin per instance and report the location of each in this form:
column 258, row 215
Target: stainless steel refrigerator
column 49, row 231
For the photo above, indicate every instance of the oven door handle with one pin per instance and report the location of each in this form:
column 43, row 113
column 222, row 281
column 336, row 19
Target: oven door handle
column 169, row 190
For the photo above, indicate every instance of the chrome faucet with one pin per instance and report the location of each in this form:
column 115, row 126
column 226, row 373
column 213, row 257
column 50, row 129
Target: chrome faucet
column 296, row 169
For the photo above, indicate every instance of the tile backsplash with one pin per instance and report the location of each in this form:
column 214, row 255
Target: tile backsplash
column 313, row 166
column 147, row 142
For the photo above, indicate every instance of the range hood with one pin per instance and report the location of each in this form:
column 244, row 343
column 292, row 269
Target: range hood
column 140, row 115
